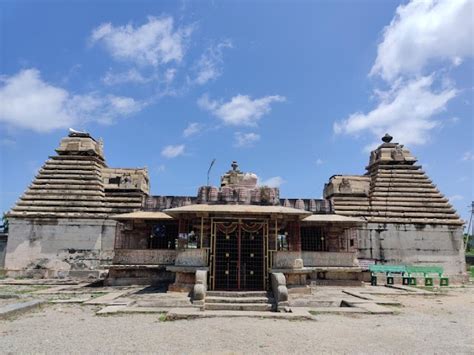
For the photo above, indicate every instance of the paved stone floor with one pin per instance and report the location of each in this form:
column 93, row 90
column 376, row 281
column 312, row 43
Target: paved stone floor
column 422, row 323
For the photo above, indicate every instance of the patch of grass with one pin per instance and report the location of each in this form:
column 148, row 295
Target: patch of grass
column 162, row 317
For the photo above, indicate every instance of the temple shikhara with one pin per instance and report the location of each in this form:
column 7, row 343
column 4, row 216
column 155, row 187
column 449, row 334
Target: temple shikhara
column 81, row 218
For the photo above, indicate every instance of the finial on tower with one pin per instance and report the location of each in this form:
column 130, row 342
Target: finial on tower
column 387, row 138
column 235, row 166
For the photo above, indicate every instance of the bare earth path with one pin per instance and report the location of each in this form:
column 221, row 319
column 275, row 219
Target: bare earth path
column 441, row 324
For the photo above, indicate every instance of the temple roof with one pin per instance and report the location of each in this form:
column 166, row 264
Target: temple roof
column 333, row 218
column 237, row 209
column 145, row 215
column 393, row 190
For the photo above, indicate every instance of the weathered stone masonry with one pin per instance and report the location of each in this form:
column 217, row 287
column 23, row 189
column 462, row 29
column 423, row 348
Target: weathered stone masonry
column 61, row 224
column 66, row 221
column 408, row 220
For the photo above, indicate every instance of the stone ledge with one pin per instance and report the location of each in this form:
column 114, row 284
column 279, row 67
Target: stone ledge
column 16, row 308
column 191, row 269
column 310, row 269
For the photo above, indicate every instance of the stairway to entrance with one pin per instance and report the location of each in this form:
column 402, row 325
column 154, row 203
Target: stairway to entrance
column 257, row 301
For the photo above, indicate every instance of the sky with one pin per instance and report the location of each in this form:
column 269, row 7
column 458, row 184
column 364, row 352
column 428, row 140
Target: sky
column 295, row 91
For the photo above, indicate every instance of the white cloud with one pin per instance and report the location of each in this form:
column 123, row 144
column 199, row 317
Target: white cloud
column 28, row 102
column 153, row 43
column 130, row 76
column 241, row 110
column 319, row 161
column 246, row 140
column 275, row 181
column 468, row 156
column 7, row 142
column 406, row 112
column 422, row 32
column 192, row 129
column 160, row 168
column 455, row 198
column 170, row 74
column 209, row 65
column 173, row 151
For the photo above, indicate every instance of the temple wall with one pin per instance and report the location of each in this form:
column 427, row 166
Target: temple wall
column 414, row 244
column 145, row 257
column 58, row 247
column 286, row 259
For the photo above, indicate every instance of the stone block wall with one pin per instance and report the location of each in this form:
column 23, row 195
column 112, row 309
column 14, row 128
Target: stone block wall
column 55, row 247
column 414, row 244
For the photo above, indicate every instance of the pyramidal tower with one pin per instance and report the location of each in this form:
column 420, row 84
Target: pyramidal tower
column 69, row 184
column 409, row 220
column 61, row 224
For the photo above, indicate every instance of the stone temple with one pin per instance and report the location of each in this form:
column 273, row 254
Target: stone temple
column 81, row 218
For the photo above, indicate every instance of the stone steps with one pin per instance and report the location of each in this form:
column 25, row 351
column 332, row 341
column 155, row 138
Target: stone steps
column 255, row 307
column 237, row 293
column 210, row 299
column 256, row 301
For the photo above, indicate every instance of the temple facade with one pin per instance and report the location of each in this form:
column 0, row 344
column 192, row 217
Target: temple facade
column 80, row 218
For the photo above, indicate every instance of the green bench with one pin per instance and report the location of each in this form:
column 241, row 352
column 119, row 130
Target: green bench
column 408, row 274
column 427, row 272
column 388, row 270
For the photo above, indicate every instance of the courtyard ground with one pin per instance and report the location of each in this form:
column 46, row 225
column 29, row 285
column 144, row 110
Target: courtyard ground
column 434, row 323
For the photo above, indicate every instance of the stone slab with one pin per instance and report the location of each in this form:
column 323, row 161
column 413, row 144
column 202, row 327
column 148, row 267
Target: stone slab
column 412, row 290
column 373, row 308
column 30, row 282
column 190, row 313
column 107, row 298
column 51, row 290
column 110, row 310
column 337, row 310
column 367, row 298
column 110, row 297
column 16, row 308
column 71, row 300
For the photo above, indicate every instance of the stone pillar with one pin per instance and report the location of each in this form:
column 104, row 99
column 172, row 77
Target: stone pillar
column 294, row 233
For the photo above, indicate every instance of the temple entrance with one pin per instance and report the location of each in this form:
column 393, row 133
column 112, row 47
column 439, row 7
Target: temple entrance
column 239, row 255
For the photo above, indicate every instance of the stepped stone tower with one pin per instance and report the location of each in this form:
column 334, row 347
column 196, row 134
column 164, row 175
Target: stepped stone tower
column 61, row 223
column 409, row 220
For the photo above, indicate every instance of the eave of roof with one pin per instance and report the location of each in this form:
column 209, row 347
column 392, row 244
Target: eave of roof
column 145, row 215
column 237, row 209
column 332, row 218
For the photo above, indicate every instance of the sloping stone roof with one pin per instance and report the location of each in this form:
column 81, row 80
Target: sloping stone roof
column 394, row 190
column 71, row 185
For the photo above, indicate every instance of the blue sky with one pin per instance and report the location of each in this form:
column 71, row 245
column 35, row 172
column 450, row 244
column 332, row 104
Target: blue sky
column 295, row 91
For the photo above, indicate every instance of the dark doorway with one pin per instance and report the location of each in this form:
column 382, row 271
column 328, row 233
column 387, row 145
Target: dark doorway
column 239, row 256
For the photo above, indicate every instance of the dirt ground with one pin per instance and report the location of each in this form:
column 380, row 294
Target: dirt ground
column 442, row 324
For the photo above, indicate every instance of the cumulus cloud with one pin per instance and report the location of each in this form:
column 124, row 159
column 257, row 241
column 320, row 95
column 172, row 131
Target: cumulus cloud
column 153, row 43
column 173, row 151
column 424, row 31
column 424, row 34
column 209, row 65
column 245, row 140
column 28, row 102
column 241, row 110
column 192, row 129
column 275, row 181
column 406, row 112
